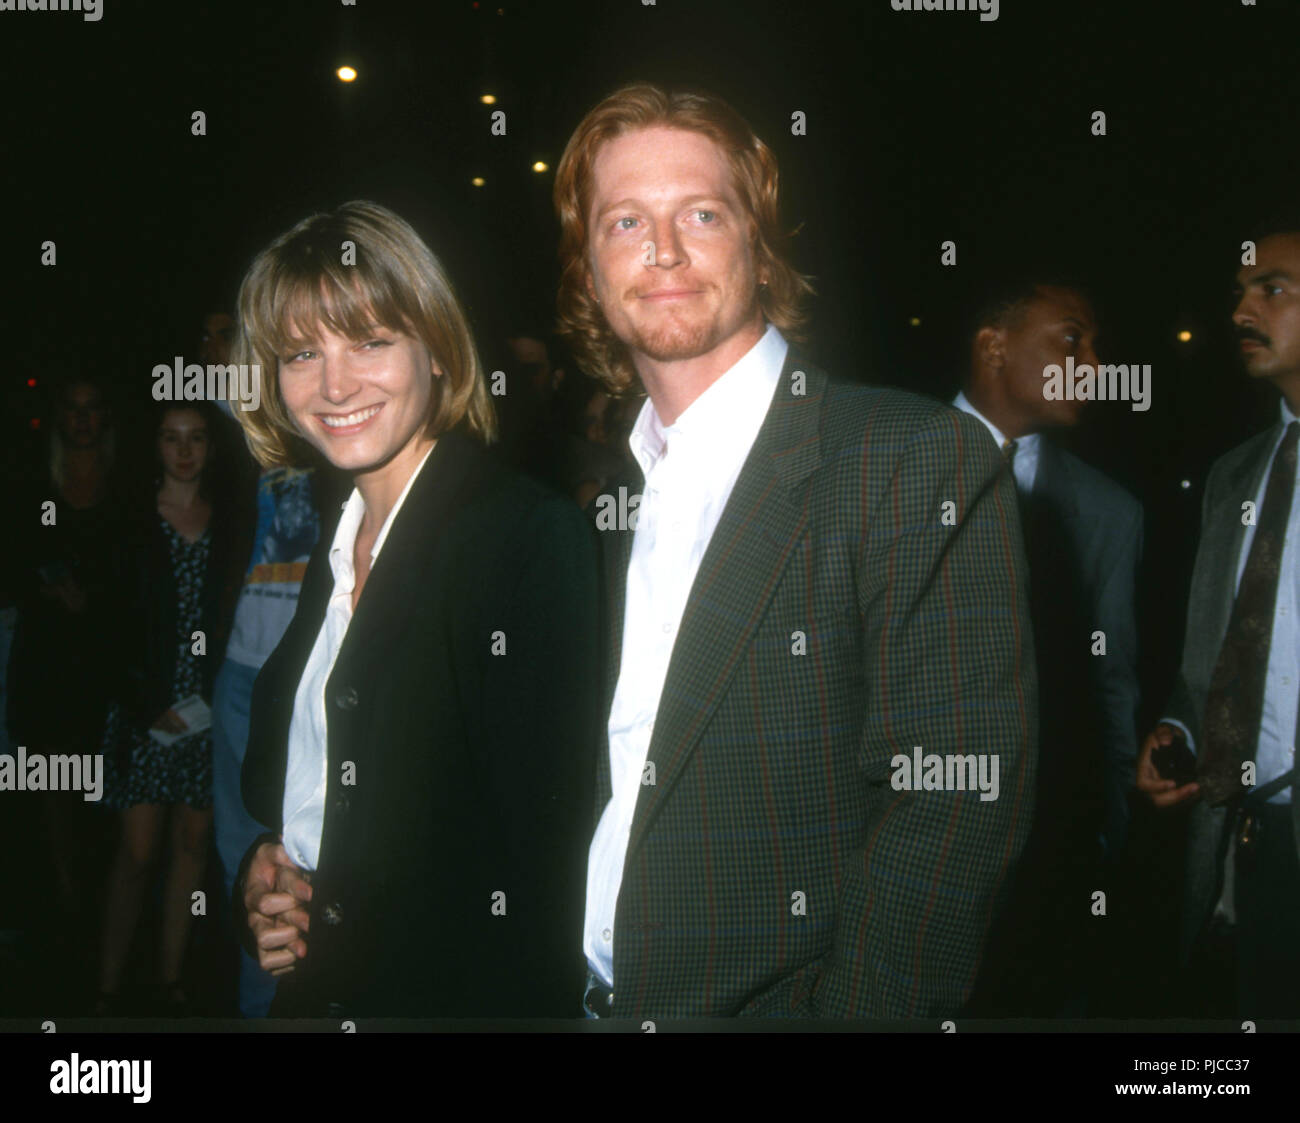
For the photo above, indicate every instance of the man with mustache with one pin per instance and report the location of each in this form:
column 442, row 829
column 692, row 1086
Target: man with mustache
column 808, row 580
column 1234, row 705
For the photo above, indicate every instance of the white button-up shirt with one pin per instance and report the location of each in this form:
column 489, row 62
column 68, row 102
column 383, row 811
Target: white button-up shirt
column 305, row 776
column 1025, row 463
column 690, row 469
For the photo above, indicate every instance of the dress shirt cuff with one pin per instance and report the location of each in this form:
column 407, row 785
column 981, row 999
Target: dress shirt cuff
column 1187, row 733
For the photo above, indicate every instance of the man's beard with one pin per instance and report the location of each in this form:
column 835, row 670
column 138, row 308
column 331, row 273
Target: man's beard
column 681, row 335
column 674, row 340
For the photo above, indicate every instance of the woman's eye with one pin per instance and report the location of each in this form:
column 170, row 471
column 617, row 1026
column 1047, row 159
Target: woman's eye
column 376, row 343
column 298, row 355
column 619, row 224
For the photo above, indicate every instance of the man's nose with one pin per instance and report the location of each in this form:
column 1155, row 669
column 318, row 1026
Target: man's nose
column 667, row 246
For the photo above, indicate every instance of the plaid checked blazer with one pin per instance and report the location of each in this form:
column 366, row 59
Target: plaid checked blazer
column 772, row 769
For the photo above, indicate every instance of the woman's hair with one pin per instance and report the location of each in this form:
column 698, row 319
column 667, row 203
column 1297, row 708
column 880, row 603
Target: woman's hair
column 354, row 269
column 107, row 439
column 212, row 484
column 753, row 167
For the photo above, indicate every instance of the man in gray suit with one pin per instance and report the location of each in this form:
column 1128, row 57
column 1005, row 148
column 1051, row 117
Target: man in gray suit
column 1083, row 535
column 1234, row 705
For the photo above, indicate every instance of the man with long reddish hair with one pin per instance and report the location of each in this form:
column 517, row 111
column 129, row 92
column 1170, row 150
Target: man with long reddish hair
column 814, row 585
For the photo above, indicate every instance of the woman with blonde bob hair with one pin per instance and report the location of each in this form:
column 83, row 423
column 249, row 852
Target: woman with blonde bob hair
column 422, row 740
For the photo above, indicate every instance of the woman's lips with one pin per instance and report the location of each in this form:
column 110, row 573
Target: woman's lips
column 345, row 424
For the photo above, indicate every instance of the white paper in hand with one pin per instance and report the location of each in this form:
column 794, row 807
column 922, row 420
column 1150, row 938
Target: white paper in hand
column 194, row 712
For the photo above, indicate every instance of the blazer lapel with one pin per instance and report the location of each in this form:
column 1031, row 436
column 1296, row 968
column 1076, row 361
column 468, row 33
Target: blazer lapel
column 444, row 484
column 616, row 552
column 754, row 539
column 1052, row 481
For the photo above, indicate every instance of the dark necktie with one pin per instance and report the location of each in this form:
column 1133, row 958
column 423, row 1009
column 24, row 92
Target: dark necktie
column 1022, row 501
column 1236, row 697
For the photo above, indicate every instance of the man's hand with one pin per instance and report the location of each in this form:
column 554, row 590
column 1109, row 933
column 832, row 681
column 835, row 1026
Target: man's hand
column 1161, row 792
column 275, row 891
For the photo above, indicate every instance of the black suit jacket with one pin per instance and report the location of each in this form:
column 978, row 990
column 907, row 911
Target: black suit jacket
column 146, row 608
column 1084, row 541
column 473, row 770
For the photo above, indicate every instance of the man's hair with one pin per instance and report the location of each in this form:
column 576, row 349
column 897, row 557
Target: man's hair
column 1278, row 221
column 753, row 166
column 396, row 282
column 1004, row 301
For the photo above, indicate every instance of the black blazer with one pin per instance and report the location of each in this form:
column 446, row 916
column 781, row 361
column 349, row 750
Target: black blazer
column 1084, row 543
column 145, row 609
column 474, row 771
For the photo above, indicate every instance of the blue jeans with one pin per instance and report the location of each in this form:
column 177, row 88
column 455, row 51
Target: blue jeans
column 233, row 826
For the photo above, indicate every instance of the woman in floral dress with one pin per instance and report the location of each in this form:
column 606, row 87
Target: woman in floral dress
column 178, row 578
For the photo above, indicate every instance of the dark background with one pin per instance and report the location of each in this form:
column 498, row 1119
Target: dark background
column 921, row 127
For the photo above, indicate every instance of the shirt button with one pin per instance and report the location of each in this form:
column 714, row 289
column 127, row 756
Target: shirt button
column 667, row 628
column 1286, row 681
column 606, row 935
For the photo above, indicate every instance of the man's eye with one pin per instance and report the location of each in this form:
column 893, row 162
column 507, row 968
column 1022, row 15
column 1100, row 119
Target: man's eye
column 706, row 216
column 618, row 225
column 1272, row 290
column 1072, row 340
column 376, row 343
column 297, row 355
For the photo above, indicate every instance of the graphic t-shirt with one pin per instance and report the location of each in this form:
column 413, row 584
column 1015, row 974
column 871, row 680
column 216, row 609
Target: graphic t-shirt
column 287, row 529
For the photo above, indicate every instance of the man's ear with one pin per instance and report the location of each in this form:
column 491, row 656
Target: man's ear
column 990, row 349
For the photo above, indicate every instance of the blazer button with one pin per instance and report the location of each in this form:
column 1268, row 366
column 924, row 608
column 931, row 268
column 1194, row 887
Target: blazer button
column 332, row 914
column 347, row 699
column 342, row 805
column 336, row 1009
